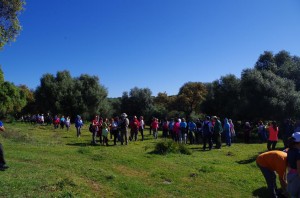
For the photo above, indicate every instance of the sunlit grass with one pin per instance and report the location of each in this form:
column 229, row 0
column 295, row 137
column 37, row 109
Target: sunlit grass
column 55, row 163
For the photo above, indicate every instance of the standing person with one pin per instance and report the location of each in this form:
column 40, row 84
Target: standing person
column 134, row 125
column 247, row 131
column 142, row 127
column 192, row 129
column 288, row 130
column 261, row 130
column 227, row 132
column 154, row 125
column 56, row 121
column 62, row 122
column 95, row 126
column 198, row 132
column 217, row 130
column 78, row 125
column 171, row 125
column 273, row 136
column 68, row 123
column 165, row 128
column 232, row 130
column 3, row 165
column 115, row 130
column 104, row 131
column 183, row 132
column 176, row 130
column 293, row 158
column 269, row 163
column 124, row 128
column 207, row 133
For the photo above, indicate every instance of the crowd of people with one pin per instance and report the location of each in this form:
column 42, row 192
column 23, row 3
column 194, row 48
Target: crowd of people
column 209, row 131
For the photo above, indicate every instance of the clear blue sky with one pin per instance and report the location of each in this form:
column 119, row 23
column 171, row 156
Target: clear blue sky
column 158, row 44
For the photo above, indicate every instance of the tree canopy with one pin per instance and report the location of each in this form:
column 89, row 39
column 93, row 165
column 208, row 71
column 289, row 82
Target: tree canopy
column 9, row 22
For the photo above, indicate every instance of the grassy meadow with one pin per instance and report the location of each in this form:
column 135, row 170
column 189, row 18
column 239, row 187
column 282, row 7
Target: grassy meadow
column 55, row 163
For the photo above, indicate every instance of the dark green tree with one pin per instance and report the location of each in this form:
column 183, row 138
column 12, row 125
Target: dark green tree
column 223, row 98
column 71, row 96
column 138, row 102
column 9, row 22
column 268, row 96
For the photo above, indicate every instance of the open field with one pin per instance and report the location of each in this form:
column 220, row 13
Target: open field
column 55, row 163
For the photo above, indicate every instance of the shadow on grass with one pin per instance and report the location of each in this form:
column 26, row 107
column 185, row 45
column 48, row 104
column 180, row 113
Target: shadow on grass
column 261, row 192
column 79, row 144
column 247, row 161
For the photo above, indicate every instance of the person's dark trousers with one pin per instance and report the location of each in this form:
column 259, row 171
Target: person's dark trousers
column 94, row 135
column 197, row 137
column 270, row 178
column 2, row 161
column 207, row 138
column 271, row 143
column 115, row 133
column 78, row 130
column 228, row 140
column 142, row 133
column 217, row 139
column 191, row 137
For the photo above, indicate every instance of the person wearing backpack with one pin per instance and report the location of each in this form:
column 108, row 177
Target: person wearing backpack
column 207, row 133
column 165, row 128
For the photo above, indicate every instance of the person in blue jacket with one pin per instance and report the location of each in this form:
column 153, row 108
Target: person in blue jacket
column 78, row 125
column 227, row 132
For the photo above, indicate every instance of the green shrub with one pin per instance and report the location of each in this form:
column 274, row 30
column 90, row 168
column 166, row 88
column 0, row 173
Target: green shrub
column 170, row 146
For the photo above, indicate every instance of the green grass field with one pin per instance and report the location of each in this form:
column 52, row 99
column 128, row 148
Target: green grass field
column 55, row 163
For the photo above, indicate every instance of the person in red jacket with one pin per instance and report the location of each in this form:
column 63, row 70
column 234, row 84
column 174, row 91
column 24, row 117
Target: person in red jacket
column 134, row 125
column 273, row 136
column 154, row 126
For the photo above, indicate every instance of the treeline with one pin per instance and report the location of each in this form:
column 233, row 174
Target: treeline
column 269, row 90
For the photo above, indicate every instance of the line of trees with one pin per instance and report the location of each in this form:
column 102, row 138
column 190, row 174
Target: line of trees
column 270, row 90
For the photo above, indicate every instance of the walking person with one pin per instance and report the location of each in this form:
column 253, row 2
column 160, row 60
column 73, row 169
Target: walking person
column 68, row 123
column 78, row 125
column 3, row 165
column 273, row 136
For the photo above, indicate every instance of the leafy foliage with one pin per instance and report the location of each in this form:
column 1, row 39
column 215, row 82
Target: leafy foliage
column 9, row 22
column 71, row 96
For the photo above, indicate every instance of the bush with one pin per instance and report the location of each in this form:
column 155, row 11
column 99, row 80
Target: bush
column 169, row 146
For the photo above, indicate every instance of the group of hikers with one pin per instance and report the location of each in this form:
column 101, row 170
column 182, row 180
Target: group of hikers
column 123, row 130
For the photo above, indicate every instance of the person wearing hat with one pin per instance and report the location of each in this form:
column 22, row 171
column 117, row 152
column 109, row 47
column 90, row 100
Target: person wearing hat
column 124, row 128
column 293, row 158
column 269, row 163
column 3, row 165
